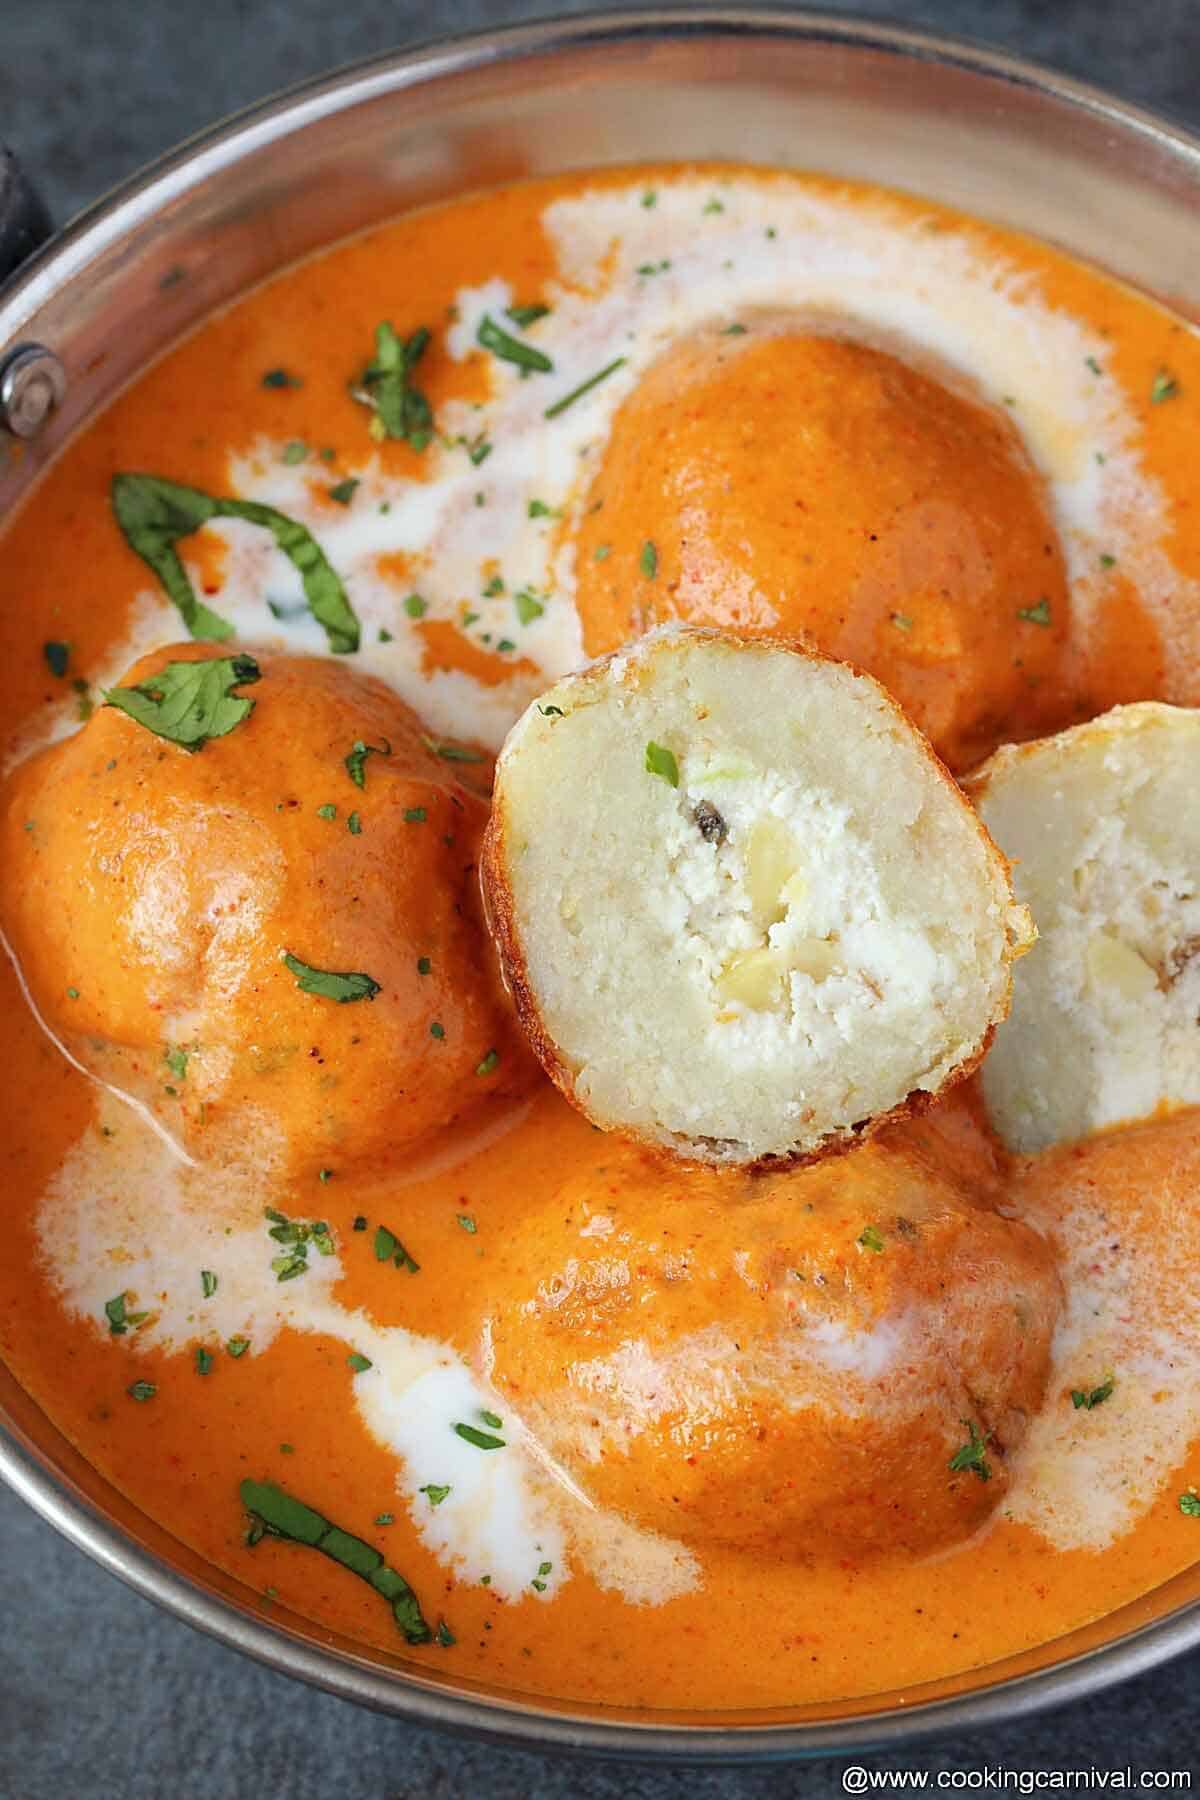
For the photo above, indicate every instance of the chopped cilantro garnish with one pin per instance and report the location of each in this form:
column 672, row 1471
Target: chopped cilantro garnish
column 358, row 1362
column 734, row 330
column 601, row 552
column 650, row 198
column 1083, row 1399
column 528, row 606
column 501, row 343
column 524, row 316
column 208, row 1283
column 539, row 510
column 1106, row 560
column 714, row 205
column 869, row 1238
column 551, row 712
column 451, row 752
column 142, row 1390
column 415, row 815
column 482, row 1440
column 423, row 965
column 57, row 657
column 177, row 1061
column 415, row 606
column 444, row 1636
column 294, row 453
column 585, row 387
column 1093, row 365
column 356, row 760
column 467, row 1222
column 388, row 1248
column 436, row 1492
column 237, row 1346
column 1189, row 1503
column 343, row 491
column 385, row 1518
column 401, row 409
column 204, row 1361
column 114, row 1312
column 971, row 1454
column 328, row 983
column 437, row 1030
column 280, row 378
column 489, row 1063
column 327, row 811
column 648, row 560
column 504, row 645
column 901, row 621
column 1035, row 615
column 661, row 761
column 354, row 825
column 495, row 586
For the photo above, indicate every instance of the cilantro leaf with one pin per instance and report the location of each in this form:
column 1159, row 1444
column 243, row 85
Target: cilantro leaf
column 402, row 409
column 356, row 760
column 971, row 1454
column 661, row 761
column 328, row 984
column 501, row 343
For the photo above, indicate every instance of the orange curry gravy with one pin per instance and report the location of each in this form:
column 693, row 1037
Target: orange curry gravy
column 772, row 1629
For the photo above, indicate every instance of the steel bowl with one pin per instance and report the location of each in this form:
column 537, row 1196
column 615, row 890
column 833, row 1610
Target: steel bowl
column 1107, row 182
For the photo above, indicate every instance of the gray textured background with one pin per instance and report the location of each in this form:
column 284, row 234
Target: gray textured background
column 100, row 1694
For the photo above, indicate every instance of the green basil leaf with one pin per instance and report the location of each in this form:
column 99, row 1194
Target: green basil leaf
column 188, row 703
column 661, row 761
column 281, row 1515
column 323, row 589
column 155, row 513
column 329, row 984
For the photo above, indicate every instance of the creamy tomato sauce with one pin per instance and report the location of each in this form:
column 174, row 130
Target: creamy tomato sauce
column 738, row 362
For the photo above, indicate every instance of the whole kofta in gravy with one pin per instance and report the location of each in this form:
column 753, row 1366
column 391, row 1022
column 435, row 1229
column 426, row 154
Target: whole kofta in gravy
column 272, row 930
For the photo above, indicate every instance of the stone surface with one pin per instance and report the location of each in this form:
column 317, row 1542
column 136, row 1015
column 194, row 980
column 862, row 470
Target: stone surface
column 101, row 1694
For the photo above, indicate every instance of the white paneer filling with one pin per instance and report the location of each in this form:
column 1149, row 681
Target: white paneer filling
column 777, row 930
column 1104, row 831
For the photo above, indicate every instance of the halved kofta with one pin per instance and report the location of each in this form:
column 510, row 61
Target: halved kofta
column 744, row 911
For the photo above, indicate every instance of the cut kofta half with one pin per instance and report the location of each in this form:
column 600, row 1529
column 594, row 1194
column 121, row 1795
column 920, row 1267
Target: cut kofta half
column 743, row 909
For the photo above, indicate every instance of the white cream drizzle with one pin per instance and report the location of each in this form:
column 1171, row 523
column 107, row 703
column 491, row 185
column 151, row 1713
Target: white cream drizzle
column 1131, row 1275
column 123, row 1215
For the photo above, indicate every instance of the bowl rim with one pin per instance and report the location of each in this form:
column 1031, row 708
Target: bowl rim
column 515, row 1720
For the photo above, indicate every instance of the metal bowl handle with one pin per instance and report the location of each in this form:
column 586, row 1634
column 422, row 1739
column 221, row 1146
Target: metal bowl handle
column 24, row 219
